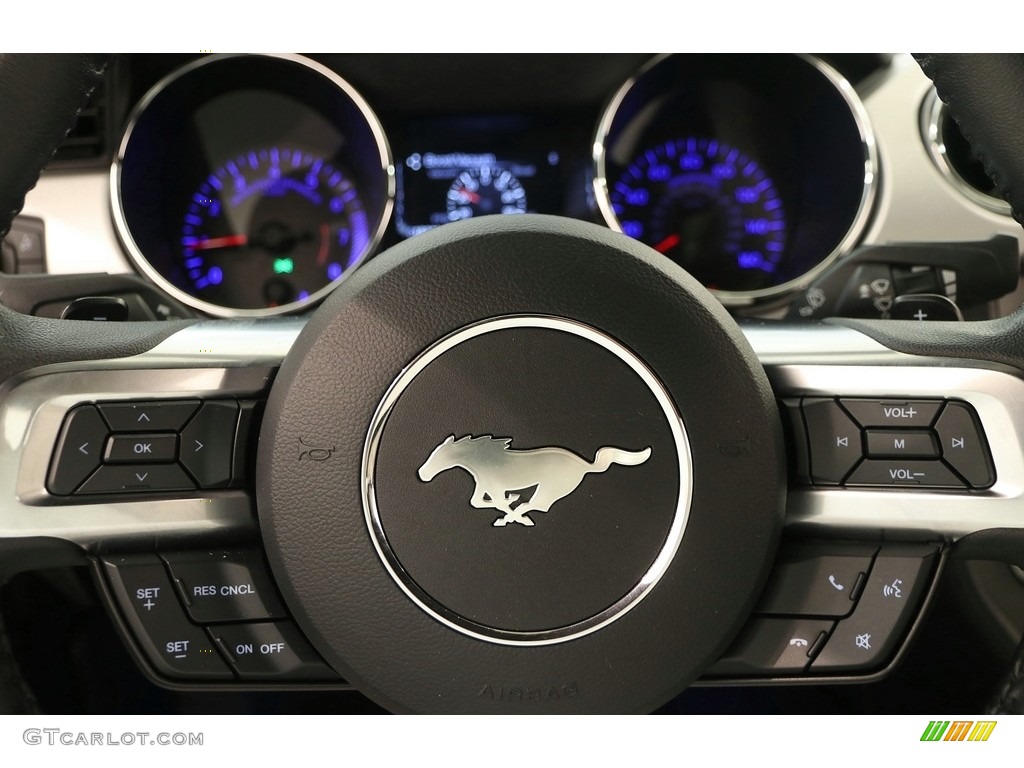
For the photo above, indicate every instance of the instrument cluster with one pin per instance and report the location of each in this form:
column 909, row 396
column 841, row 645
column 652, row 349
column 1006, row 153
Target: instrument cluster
column 275, row 179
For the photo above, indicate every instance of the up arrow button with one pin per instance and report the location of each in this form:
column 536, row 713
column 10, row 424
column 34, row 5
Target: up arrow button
column 149, row 416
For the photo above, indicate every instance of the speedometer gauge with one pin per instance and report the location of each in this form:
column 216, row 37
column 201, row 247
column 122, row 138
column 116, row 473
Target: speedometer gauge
column 270, row 227
column 754, row 173
column 708, row 207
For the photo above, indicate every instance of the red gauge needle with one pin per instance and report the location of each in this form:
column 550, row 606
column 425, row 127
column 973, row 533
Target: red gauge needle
column 231, row 241
column 325, row 245
column 471, row 197
column 667, row 244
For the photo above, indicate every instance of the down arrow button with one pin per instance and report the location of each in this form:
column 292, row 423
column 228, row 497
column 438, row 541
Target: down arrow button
column 207, row 443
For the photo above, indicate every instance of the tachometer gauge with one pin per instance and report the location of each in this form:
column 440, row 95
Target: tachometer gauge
column 271, row 227
column 485, row 190
column 708, row 207
column 248, row 186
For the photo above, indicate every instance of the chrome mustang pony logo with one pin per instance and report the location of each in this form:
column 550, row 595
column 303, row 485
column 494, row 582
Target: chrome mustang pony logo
column 500, row 471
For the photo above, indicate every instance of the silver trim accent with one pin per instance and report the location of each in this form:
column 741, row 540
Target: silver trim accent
column 932, row 112
column 561, row 634
column 845, row 245
column 143, row 265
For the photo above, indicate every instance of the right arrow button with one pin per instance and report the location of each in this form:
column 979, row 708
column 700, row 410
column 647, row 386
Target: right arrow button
column 963, row 445
column 207, row 443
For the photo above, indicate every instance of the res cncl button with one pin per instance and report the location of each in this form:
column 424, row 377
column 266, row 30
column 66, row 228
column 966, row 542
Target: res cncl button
column 222, row 586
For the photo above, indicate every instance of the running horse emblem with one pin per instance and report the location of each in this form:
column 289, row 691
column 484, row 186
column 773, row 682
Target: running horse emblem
column 499, row 471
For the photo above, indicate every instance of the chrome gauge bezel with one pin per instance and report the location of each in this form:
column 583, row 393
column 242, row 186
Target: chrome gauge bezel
column 846, row 244
column 142, row 263
column 932, row 112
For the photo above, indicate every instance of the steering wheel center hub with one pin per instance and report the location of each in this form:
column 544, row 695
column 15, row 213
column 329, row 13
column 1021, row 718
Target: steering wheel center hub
column 557, row 482
column 509, row 434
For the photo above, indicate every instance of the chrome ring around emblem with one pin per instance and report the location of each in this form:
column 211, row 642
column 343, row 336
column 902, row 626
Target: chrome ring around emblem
column 632, row 456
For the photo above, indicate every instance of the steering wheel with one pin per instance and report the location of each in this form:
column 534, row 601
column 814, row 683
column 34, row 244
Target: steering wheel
column 515, row 464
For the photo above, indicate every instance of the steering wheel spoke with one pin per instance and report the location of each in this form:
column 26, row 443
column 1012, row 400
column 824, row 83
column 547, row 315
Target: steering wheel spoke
column 966, row 472
column 116, row 451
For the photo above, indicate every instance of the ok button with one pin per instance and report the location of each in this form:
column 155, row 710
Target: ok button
column 136, row 448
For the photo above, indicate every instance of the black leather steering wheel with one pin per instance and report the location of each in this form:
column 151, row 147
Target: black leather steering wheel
column 524, row 325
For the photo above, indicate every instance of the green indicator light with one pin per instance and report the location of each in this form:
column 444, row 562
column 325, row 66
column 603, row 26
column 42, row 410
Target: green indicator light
column 284, row 266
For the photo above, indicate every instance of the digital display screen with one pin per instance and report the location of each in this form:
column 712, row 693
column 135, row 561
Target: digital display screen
column 450, row 179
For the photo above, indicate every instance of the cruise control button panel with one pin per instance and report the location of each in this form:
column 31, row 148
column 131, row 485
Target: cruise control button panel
column 155, row 447
column 876, row 443
column 206, row 617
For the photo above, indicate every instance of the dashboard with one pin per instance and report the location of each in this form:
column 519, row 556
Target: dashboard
column 277, row 176
column 252, row 186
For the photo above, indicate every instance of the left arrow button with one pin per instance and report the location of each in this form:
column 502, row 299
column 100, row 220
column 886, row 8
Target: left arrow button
column 77, row 454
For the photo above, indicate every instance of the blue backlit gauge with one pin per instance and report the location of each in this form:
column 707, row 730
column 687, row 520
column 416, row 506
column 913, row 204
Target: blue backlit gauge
column 485, row 190
column 271, row 227
column 708, row 207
